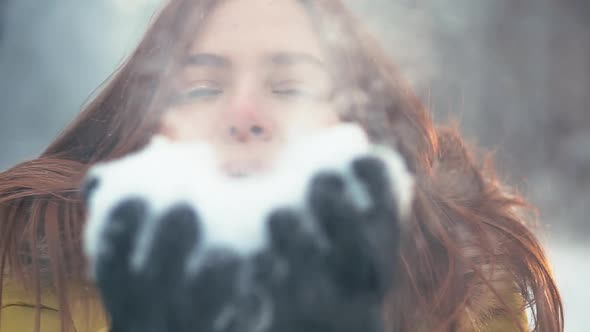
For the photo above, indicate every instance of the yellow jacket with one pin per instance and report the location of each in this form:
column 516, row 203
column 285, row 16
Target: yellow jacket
column 18, row 313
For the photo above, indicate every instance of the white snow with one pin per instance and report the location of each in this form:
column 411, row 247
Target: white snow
column 232, row 210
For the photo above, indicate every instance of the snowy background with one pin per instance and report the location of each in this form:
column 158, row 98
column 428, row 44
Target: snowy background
column 515, row 72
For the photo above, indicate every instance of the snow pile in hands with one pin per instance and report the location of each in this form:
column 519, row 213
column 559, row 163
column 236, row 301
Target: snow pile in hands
column 232, row 211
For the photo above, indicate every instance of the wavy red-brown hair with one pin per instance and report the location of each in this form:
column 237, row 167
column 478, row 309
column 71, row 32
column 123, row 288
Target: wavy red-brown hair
column 467, row 239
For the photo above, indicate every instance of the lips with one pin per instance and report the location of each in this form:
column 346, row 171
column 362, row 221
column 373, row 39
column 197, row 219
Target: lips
column 240, row 161
column 245, row 167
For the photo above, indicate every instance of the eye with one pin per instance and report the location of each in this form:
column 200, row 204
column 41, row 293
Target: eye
column 288, row 92
column 202, row 92
column 291, row 89
column 199, row 91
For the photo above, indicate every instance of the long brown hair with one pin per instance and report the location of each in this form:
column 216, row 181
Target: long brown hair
column 467, row 242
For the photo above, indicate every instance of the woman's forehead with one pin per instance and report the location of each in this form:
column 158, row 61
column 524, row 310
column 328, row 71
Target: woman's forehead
column 257, row 25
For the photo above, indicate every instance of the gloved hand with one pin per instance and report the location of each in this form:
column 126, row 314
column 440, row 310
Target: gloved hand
column 323, row 263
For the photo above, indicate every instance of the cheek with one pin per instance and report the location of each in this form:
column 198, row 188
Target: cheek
column 309, row 120
column 179, row 124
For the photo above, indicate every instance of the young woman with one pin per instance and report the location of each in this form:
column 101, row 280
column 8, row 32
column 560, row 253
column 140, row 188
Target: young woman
column 245, row 75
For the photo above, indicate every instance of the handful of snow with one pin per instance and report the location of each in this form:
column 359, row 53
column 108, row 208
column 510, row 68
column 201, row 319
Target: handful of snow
column 232, row 211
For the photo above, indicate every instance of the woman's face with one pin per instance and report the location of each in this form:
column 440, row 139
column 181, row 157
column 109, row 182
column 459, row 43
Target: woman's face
column 255, row 77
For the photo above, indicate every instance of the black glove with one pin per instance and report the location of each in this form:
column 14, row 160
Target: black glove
column 325, row 268
column 340, row 285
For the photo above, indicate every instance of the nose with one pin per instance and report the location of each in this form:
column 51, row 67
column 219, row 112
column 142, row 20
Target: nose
column 245, row 122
